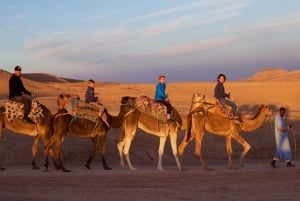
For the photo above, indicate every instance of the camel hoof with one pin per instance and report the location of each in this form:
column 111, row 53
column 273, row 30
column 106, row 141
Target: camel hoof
column 65, row 170
column 107, row 168
column 208, row 169
column 35, row 167
column 2, row 168
column 133, row 168
column 87, row 166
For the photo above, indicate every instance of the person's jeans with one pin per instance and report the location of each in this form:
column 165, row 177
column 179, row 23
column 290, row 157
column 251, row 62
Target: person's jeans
column 231, row 104
column 167, row 104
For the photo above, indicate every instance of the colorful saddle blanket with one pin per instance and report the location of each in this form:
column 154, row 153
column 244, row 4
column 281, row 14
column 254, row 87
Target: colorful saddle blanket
column 211, row 104
column 150, row 107
column 85, row 110
column 15, row 110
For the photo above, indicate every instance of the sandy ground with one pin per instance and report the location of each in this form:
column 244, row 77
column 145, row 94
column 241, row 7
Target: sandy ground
column 256, row 181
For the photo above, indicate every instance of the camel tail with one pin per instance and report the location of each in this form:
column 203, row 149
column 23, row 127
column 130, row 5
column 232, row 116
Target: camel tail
column 188, row 126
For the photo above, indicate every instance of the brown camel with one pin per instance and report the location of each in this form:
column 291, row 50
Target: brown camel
column 135, row 119
column 200, row 120
column 40, row 130
column 65, row 122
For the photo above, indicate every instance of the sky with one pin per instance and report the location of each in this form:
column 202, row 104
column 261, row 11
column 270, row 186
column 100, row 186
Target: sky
column 137, row 40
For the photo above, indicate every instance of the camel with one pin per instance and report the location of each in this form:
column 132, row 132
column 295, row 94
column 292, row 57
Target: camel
column 65, row 122
column 135, row 119
column 41, row 130
column 200, row 120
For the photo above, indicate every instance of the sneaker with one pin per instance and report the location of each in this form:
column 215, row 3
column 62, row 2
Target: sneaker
column 289, row 164
column 273, row 164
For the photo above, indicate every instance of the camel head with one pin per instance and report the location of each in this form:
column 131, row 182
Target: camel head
column 128, row 100
column 265, row 109
column 128, row 104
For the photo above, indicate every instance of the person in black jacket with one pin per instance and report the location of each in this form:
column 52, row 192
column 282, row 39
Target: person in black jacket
column 89, row 93
column 17, row 92
column 225, row 97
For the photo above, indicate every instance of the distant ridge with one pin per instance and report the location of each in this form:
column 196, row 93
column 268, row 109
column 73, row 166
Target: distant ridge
column 275, row 75
column 43, row 77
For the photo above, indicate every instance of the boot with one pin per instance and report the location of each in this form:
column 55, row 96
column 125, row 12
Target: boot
column 273, row 163
column 289, row 164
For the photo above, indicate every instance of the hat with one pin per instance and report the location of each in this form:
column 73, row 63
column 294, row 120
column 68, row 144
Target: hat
column 161, row 76
column 91, row 81
column 18, row 68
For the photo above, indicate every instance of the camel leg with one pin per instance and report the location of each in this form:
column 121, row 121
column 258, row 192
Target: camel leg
column 182, row 147
column 229, row 152
column 162, row 142
column 92, row 156
column 198, row 148
column 56, row 155
column 120, row 147
column 50, row 152
column 173, row 140
column 58, row 150
column 102, row 151
column 126, row 152
column 34, row 152
column 246, row 147
column 48, row 146
column 1, row 134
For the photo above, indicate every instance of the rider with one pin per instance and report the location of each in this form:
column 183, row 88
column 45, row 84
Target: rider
column 18, row 93
column 161, row 96
column 224, row 97
column 89, row 93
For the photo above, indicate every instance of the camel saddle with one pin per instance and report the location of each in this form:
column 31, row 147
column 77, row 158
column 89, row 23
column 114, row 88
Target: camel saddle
column 148, row 106
column 211, row 104
column 15, row 110
column 85, row 110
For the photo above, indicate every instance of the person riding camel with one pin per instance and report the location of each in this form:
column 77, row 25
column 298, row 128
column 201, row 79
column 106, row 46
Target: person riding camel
column 224, row 98
column 161, row 96
column 18, row 93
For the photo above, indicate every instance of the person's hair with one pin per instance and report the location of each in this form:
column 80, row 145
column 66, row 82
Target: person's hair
column 161, row 76
column 221, row 75
column 282, row 109
column 91, row 81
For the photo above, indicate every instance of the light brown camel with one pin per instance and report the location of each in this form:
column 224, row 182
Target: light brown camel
column 65, row 122
column 200, row 120
column 41, row 130
column 135, row 119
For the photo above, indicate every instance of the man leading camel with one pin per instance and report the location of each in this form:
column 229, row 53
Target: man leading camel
column 17, row 92
column 283, row 148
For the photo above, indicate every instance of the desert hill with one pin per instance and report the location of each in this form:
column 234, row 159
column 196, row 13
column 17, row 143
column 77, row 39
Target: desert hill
column 275, row 75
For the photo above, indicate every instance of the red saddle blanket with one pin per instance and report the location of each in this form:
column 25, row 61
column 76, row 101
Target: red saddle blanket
column 148, row 106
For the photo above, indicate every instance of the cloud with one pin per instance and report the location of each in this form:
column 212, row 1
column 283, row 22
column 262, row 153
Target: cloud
column 180, row 8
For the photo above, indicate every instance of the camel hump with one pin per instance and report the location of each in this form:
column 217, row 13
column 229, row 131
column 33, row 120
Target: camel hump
column 148, row 106
column 211, row 104
column 89, row 111
column 201, row 100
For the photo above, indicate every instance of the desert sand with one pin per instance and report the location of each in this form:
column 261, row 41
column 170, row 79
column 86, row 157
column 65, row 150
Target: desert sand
column 256, row 181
